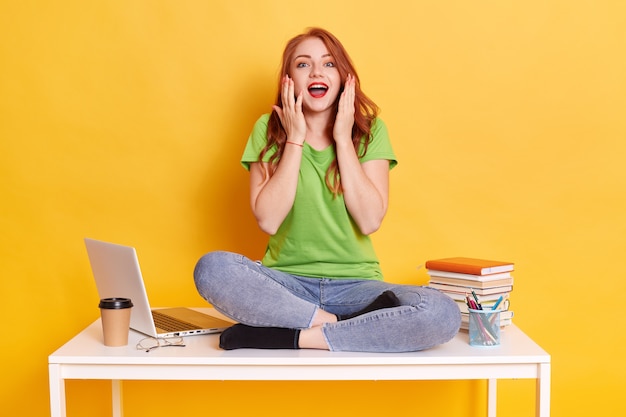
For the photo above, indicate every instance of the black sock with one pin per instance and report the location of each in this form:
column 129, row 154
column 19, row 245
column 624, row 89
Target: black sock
column 385, row 300
column 243, row 336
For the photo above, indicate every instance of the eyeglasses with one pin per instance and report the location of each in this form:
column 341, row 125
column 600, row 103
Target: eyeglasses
column 151, row 343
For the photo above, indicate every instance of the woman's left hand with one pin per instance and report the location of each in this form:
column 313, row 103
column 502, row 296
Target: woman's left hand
column 345, row 112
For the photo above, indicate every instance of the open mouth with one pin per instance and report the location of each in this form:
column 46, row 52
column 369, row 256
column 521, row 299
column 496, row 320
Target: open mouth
column 318, row 90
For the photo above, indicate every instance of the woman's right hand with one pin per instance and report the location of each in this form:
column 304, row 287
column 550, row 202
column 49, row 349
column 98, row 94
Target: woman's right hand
column 290, row 115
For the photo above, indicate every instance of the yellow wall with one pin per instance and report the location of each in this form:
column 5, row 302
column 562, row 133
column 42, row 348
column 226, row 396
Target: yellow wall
column 124, row 121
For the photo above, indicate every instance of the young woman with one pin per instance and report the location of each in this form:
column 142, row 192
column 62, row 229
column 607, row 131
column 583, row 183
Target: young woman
column 319, row 173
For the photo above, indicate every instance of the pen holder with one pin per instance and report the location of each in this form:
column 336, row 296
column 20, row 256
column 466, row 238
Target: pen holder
column 484, row 327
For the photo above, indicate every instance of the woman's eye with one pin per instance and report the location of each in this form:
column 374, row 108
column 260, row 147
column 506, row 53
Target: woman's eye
column 301, row 65
column 329, row 64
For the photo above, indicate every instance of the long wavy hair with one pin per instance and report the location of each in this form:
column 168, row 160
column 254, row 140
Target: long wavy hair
column 365, row 109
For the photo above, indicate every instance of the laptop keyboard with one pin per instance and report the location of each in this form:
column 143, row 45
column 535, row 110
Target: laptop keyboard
column 170, row 324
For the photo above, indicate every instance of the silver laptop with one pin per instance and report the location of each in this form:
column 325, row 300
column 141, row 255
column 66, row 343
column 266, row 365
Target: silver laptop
column 117, row 274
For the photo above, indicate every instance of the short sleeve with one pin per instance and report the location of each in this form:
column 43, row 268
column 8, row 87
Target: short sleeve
column 256, row 142
column 380, row 145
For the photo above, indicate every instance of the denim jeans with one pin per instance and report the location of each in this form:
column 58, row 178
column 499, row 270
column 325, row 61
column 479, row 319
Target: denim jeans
column 250, row 293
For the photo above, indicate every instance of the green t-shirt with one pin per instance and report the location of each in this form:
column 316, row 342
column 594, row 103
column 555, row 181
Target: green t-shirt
column 318, row 238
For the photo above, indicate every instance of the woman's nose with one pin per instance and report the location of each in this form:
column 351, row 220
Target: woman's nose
column 316, row 70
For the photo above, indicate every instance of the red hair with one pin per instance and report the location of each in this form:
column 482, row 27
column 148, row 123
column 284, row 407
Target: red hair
column 365, row 109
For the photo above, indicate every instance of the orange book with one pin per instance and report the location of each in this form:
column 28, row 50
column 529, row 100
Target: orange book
column 469, row 265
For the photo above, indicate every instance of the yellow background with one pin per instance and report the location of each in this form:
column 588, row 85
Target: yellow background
column 125, row 120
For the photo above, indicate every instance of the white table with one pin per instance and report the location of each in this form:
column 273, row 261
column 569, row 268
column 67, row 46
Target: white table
column 85, row 357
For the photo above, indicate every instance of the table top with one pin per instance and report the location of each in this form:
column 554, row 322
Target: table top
column 87, row 348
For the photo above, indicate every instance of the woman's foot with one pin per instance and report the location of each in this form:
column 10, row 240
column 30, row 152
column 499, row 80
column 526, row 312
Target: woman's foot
column 386, row 300
column 241, row 336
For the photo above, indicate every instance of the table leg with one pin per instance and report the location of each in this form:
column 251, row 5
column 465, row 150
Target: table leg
column 117, row 398
column 492, row 397
column 57, row 391
column 543, row 391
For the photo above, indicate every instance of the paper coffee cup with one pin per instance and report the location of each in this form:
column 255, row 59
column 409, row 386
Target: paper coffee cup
column 115, row 314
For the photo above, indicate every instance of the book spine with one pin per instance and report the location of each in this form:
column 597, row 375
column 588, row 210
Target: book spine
column 454, row 267
column 471, row 284
column 464, row 290
column 472, row 277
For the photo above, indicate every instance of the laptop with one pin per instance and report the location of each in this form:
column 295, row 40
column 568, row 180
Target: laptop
column 117, row 274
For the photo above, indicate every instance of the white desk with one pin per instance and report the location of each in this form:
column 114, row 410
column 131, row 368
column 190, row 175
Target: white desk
column 85, row 357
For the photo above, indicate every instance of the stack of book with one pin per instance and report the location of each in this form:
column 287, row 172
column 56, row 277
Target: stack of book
column 489, row 281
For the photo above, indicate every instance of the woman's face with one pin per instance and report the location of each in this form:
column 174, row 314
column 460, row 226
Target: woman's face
column 314, row 72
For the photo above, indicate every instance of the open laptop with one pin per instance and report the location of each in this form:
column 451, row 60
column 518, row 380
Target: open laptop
column 117, row 274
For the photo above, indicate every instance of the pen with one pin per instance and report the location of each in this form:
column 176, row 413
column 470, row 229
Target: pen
column 497, row 303
column 468, row 301
column 478, row 306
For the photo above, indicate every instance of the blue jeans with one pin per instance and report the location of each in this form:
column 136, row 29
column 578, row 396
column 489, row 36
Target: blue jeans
column 250, row 293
